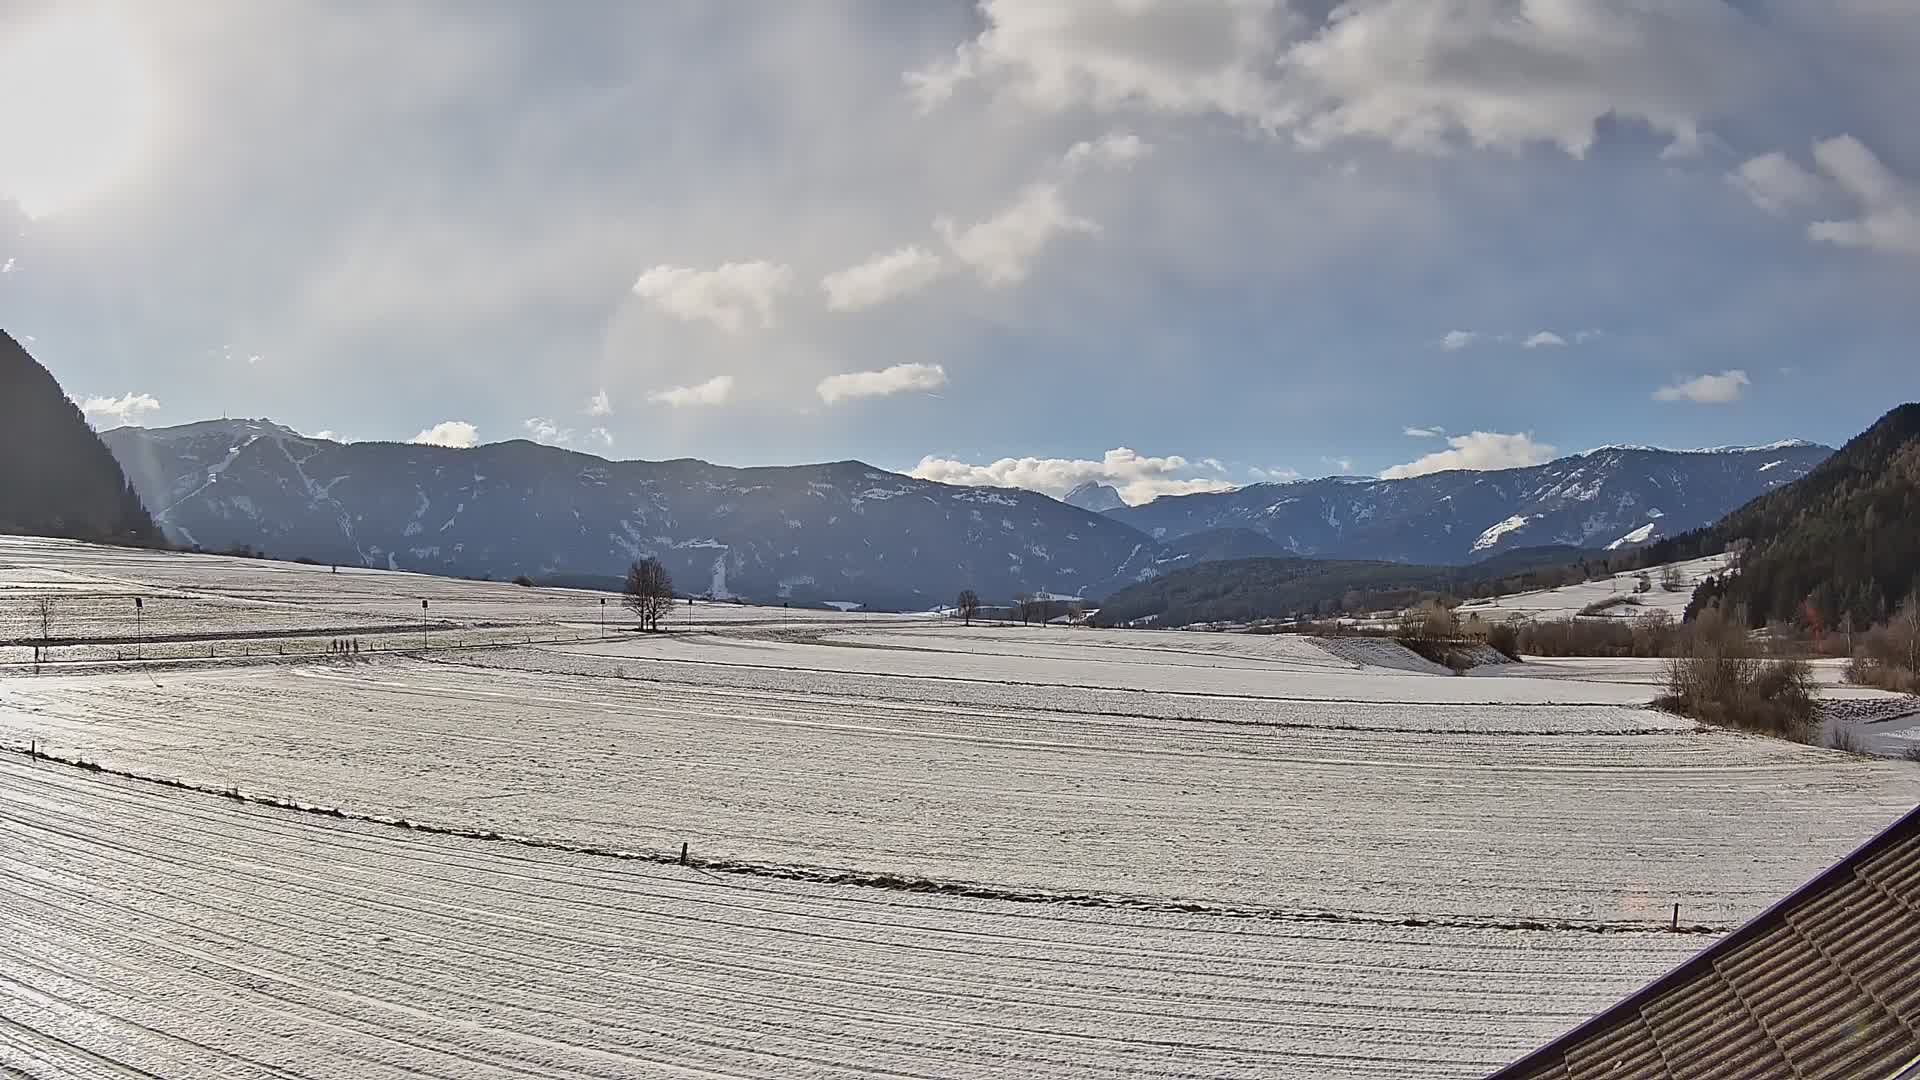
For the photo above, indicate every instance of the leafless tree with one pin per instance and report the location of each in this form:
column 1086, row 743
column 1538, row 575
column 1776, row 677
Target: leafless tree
column 967, row 605
column 43, row 607
column 1905, row 629
column 648, row 592
column 1670, row 578
column 1022, row 604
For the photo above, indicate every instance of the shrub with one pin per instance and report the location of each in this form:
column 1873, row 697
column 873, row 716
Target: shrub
column 1718, row 679
column 1577, row 637
column 1599, row 607
column 1846, row 739
column 1504, row 638
column 1866, row 671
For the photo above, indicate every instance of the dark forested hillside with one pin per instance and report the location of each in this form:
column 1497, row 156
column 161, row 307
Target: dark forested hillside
column 1842, row 541
column 1242, row 590
column 56, row 477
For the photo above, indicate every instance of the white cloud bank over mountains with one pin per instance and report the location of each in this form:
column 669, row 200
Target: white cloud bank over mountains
column 118, row 412
column 1138, row 478
column 454, row 433
column 1475, row 450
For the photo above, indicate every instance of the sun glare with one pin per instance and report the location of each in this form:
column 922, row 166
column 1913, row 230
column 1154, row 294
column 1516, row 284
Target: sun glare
column 75, row 109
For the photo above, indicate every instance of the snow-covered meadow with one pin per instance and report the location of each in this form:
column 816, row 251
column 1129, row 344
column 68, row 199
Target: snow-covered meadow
column 918, row 849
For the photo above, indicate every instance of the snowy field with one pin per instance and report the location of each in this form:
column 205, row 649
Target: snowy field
column 919, row 849
column 1568, row 601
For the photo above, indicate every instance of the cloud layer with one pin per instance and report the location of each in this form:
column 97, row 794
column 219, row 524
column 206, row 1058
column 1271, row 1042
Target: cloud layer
column 1138, row 478
column 714, row 391
column 455, row 433
column 1476, row 450
column 118, row 412
column 1706, row 389
column 1002, row 248
column 881, row 278
column 897, row 379
column 731, row 296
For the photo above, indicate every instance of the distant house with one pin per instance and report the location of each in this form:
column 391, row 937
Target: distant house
column 1826, row 983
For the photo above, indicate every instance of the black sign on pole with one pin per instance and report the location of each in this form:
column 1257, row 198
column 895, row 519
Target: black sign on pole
column 423, row 622
column 140, row 639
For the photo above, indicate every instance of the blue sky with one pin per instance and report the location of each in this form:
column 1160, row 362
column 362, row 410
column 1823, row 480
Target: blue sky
column 1171, row 244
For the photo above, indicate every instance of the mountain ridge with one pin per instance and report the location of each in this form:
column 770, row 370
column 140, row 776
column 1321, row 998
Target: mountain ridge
column 1610, row 496
column 848, row 530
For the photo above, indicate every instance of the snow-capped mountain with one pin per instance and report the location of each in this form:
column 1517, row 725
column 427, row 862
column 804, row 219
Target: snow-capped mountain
column 843, row 531
column 1095, row 496
column 1609, row 497
column 849, row 532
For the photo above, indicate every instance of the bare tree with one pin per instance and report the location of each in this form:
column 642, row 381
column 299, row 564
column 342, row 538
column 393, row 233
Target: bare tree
column 648, row 592
column 967, row 605
column 1022, row 604
column 1905, row 628
column 44, row 608
column 1670, row 578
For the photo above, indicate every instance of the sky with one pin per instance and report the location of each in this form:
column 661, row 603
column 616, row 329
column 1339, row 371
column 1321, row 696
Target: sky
column 1170, row 245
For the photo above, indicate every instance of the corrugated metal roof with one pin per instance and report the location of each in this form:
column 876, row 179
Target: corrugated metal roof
column 1824, row 984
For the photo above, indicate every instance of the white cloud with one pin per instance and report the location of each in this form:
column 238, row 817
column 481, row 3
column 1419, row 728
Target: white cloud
column 1774, row 183
column 1581, row 337
column 1476, row 450
column 599, row 404
column 714, row 391
column 545, row 430
column 1455, row 340
column 455, row 433
column 881, row 278
column 1890, row 208
column 1180, row 56
column 1422, row 73
column 1543, row 338
column 893, row 380
column 1137, row 478
column 6, row 267
column 122, row 410
column 1213, row 463
column 1116, row 148
column 1706, row 389
column 1345, row 465
column 729, row 296
column 600, row 435
column 328, row 434
column 1418, row 74
column 1424, row 433
column 1000, row 248
column 1273, row 473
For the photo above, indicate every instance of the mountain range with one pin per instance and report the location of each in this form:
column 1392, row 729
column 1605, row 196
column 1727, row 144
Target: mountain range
column 1608, row 498
column 851, row 532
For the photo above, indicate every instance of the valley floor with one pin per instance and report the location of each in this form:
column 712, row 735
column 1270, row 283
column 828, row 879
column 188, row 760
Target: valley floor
column 917, row 849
